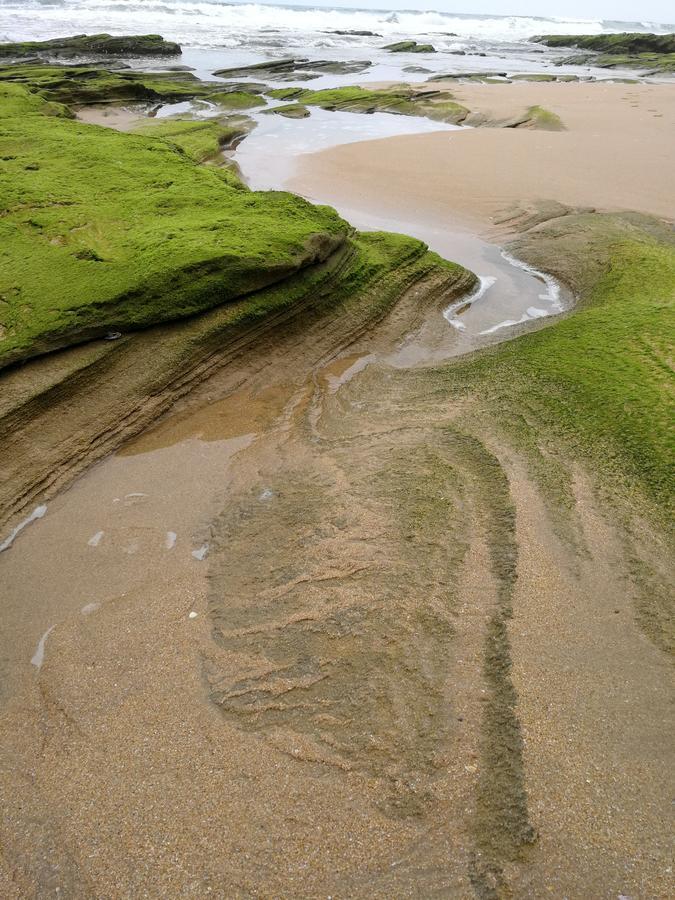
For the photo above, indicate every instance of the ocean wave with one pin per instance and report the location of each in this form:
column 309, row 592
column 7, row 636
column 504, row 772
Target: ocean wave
column 211, row 22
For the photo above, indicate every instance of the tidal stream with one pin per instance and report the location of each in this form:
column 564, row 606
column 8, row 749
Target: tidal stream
column 141, row 519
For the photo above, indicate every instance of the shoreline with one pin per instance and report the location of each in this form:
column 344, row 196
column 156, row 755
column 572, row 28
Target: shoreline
column 475, row 176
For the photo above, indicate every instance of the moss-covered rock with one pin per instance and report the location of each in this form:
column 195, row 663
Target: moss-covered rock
column 83, row 85
column 93, row 45
column 201, row 139
column 467, row 76
column 402, row 100
column 626, row 43
column 614, row 51
column 409, row 47
column 542, row 119
column 236, row 99
column 535, row 117
column 290, row 111
column 108, row 231
column 597, row 382
column 297, row 69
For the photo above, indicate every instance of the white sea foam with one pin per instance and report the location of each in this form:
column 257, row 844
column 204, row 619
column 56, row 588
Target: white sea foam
column 37, row 513
column 485, row 282
column 38, row 657
column 552, row 293
column 217, row 23
column 201, row 553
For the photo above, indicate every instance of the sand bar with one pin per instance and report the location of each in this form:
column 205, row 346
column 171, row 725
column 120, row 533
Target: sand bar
column 616, row 153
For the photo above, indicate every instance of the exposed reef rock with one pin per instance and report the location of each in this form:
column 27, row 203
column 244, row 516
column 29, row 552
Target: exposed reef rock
column 402, row 100
column 409, row 47
column 297, row 69
column 625, row 43
column 93, row 44
column 628, row 50
column 290, row 111
column 467, row 76
column 535, row 117
column 83, row 85
column 357, row 33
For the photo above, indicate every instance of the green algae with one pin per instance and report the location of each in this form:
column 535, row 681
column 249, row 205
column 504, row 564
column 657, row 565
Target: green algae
column 202, row 140
column 236, row 99
column 543, row 119
column 82, row 44
column 109, row 231
column 625, row 43
column 533, row 76
column 15, row 101
column 290, row 111
column 401, row 100
column 598, row 383
column 82, row 85
column 626, row 50
column 409, row 47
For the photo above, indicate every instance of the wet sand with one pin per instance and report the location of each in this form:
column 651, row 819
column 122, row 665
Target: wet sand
column 118, row 117
column 267, row 667
column 617, row 153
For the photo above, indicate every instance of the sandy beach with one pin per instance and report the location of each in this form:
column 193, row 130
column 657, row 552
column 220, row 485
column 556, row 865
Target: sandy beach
column 616, row 153
column 352, row 579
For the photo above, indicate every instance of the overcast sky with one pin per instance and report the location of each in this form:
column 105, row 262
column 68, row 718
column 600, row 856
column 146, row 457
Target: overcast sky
column 628, row 10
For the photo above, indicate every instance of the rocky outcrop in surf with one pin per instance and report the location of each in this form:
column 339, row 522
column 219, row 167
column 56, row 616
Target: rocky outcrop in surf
column 93, row 45
column 613, row 51
column 297, row 69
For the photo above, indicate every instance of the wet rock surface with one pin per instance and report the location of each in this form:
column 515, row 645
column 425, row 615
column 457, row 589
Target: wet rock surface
column 93, row 45
column 409, row 47
column 297, row 69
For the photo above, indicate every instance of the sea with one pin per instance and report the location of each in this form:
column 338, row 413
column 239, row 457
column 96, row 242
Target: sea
column 214, row 24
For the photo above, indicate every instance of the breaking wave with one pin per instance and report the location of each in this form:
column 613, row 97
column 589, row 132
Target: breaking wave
column 213, row 23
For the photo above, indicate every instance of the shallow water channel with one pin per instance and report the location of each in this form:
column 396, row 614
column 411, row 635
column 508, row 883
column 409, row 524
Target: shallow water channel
column 510, row 294
column 140, row 521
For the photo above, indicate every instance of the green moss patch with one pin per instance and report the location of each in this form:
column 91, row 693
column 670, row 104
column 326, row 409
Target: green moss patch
column 84, row 44
column 83, row 85
column 236, row 99
column 290, row 111
column 626, row 50
column 543, row 119
column 401, row 100
column 409, row 47
column 108, row 231
column 623, row 43
column 600, row 381
column 202, row 140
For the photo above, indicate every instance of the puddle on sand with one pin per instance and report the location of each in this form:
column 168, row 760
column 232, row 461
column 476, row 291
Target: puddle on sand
column 240, row 413
column 114, row 531
column 510, row 292
column 342, row 370
column 268, row 156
